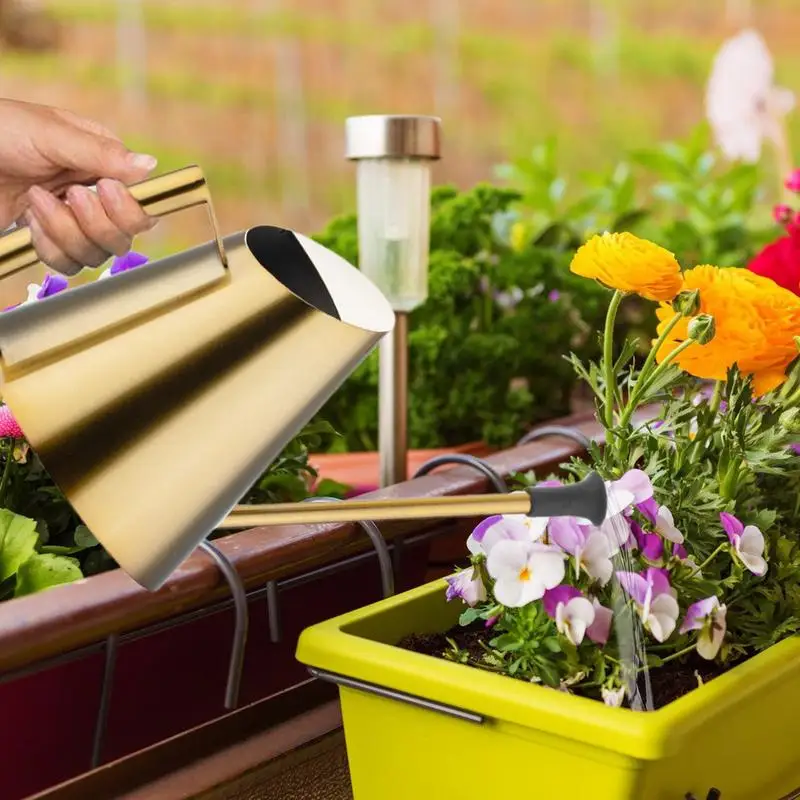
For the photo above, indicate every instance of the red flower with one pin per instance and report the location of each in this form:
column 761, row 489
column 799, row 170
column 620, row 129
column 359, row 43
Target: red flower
column 780, row 261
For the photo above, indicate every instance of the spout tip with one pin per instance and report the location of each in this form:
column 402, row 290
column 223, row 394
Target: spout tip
column 587, row 499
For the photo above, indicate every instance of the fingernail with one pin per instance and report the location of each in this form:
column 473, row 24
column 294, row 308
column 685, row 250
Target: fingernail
column 78, row 196
column 42, row 198
column 112, row 191
column 142, row 161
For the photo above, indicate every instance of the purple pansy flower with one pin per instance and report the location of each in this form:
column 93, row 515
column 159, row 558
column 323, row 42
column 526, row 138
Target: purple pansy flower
column 52, row 284
column 466, row 586
column 650, row 545
column 573, row 613
column 129, row 261
column 679, row 551
column 747, row 542
column 554, row 295
column 708, row 617
column 648, row 509
column 654, row 599
column 589, row 547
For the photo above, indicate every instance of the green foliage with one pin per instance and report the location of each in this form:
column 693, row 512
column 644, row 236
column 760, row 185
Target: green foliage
column 485, row 348
column 682, row 197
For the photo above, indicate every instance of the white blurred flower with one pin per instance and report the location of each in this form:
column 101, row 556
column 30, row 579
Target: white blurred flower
column 743, row 105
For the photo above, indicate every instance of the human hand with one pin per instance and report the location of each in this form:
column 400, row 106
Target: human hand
column 46, row 157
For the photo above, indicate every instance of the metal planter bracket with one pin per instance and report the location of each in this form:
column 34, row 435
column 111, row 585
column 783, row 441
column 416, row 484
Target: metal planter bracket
column 391, row 694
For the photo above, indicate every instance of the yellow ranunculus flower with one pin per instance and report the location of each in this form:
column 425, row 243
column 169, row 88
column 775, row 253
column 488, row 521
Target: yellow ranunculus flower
column 755, row 324
column 625, row 262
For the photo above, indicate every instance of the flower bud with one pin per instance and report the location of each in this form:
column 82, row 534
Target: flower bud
column 793, row 181
column 702, row 329
column 782, row 213
column 687, row 304
column 790, row 419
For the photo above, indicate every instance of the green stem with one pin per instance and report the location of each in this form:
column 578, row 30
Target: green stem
column 657, row 372
column 7, row 471
column 702, row 566
column 679, row 654
column 716, row 398
column 793, row 398
column 608, row 356
column 642, row 381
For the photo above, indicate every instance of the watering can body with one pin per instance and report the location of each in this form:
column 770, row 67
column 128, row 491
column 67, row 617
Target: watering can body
column 157, row 398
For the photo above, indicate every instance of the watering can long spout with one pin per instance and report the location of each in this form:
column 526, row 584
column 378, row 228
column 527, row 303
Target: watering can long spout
column 587, row 499
column 156, row 399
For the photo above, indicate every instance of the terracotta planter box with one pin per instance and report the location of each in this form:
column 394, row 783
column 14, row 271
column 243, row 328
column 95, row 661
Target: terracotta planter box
column 167, row 682
column 361, row 471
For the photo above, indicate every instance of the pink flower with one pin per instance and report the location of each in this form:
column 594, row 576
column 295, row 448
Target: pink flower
column 747, row 542
column 782, row 213
column 9, row 427
column 792, row 183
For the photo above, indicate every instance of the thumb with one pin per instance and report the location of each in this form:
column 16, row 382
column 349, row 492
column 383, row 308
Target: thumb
column 87, row 152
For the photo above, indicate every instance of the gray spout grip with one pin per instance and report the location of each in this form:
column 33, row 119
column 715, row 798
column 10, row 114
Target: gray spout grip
column 586, row 499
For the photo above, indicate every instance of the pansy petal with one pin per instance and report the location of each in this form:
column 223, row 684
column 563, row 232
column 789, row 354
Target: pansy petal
column 658, row 578
column 649, row 509
column 507, row 558
column 565, row 532
column 560, row 594
column 731, row 525
column 600, row 629
column 637, row 483
column 509, row 592
column 756, row 564
column 635, row 585
column 663, row 616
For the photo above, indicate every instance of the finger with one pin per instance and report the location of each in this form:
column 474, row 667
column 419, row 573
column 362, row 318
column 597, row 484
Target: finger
column 76, row 150
column 89, row 125
column 95, row 222
column 60, row 226
column 122, row 209
column 48, row 251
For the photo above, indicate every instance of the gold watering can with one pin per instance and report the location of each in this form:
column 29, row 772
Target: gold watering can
column 155, row 400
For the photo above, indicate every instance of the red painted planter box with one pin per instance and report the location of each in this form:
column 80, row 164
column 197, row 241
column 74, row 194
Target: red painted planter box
column 167, row 682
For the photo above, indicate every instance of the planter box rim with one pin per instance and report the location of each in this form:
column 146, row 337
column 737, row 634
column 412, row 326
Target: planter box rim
column 336, row 646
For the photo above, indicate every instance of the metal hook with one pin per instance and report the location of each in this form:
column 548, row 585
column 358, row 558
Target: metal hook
column 467, row 460
column 273, row 613
column 101, row 722
column 555, row 430
column 384, row 564
column 242, row 621
column 378, row 542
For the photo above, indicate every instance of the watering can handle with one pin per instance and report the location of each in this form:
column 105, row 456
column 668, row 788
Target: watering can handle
column 158, row 196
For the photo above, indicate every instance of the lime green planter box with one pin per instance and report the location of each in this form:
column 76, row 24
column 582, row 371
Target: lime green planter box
column 421, row 727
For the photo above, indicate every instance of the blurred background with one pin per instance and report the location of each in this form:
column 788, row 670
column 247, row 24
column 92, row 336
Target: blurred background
column 257, row 91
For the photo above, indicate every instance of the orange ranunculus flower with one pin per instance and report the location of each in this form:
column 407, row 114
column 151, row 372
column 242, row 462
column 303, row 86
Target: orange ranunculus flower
column 755, row 324
column 626, row 262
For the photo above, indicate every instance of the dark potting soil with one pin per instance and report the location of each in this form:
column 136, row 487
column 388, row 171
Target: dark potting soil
column 667, row 683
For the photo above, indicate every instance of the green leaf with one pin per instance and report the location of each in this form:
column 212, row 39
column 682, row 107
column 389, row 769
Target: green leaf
column 45, row 570
column 84, row 538
column 18, row 540
column 468, row 616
